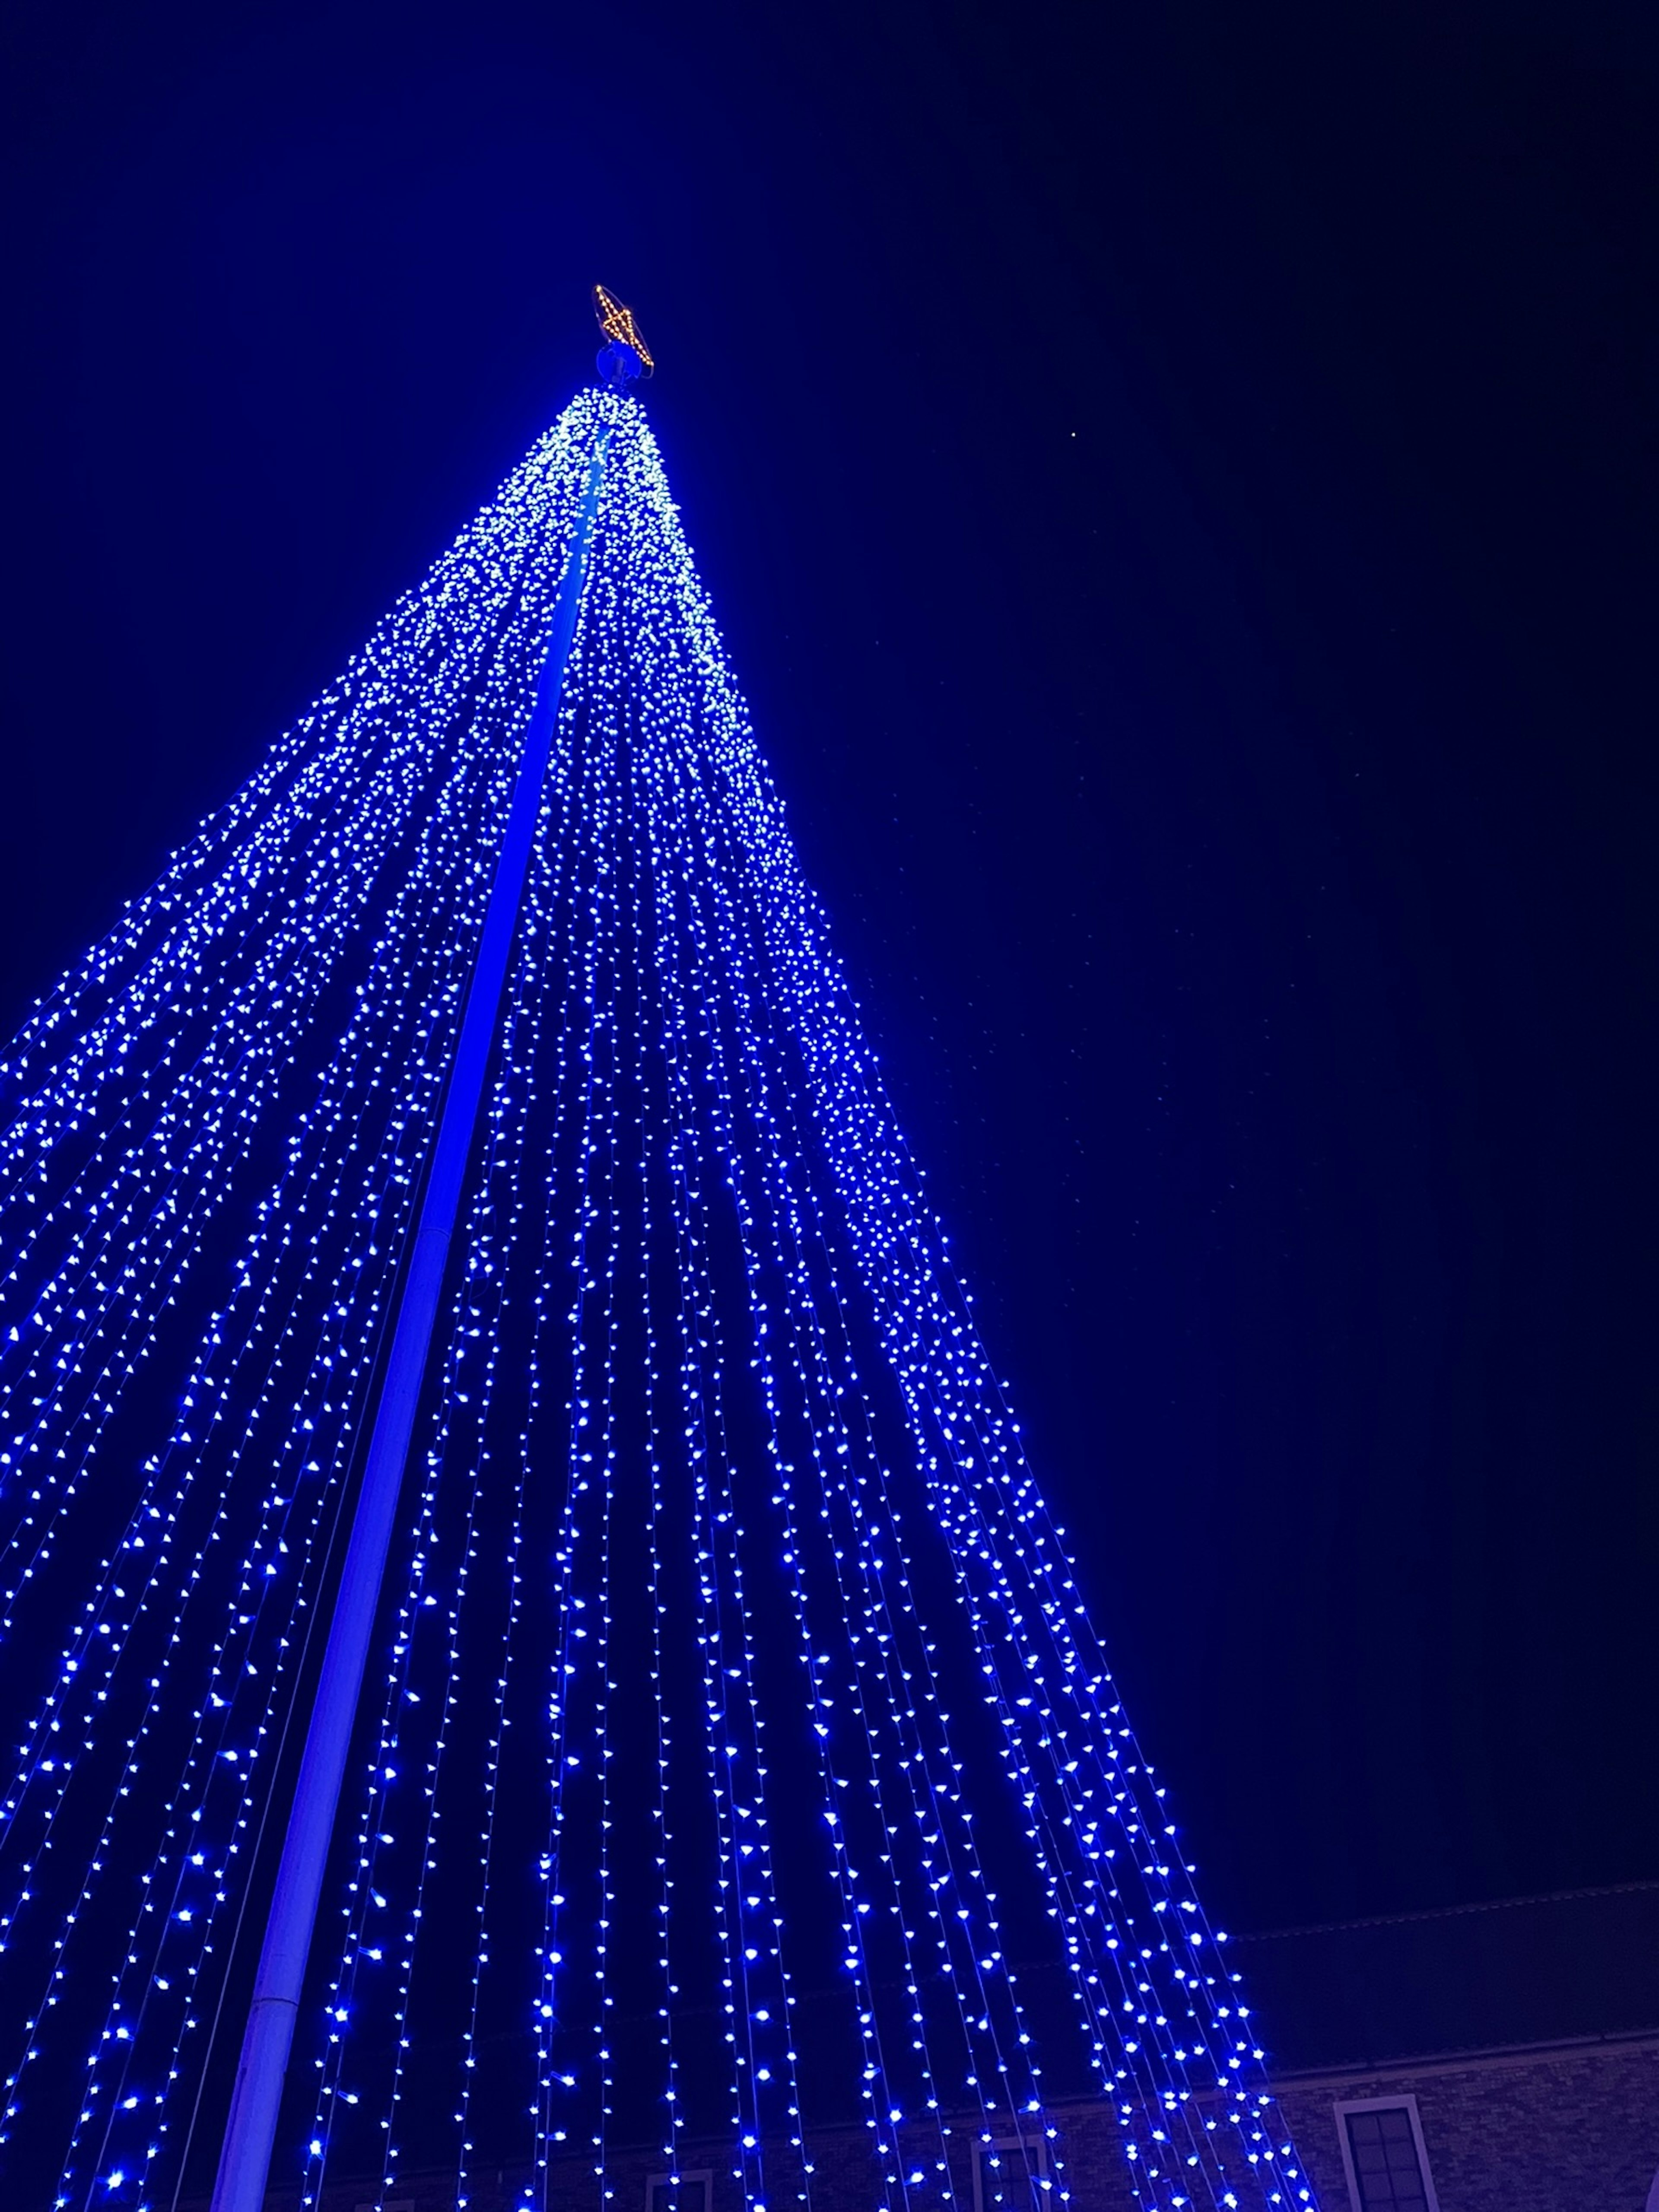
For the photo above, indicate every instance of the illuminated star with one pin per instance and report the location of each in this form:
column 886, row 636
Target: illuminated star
column 618, row 324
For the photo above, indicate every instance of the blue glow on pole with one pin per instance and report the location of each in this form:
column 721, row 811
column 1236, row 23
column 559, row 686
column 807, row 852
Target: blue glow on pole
column 245, row 2160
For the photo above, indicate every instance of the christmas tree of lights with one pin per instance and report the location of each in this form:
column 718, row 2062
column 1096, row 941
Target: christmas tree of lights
column 731, row 1759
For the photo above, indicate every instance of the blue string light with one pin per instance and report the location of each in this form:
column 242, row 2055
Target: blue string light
column 734, row 1676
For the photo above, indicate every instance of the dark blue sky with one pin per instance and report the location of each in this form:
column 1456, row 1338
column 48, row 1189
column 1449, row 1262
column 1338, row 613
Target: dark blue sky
column 1179, row 486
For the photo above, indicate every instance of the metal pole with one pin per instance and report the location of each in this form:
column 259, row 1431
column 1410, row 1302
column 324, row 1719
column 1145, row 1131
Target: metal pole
column 245, row 2160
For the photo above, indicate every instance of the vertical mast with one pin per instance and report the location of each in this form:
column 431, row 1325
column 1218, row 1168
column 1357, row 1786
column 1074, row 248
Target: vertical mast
column 245, row 2159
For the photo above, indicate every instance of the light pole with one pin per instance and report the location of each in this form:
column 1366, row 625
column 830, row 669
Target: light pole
column 245, row 2159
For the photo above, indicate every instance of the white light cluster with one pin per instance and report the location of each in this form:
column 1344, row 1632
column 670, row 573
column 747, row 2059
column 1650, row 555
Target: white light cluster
column 728, row 1646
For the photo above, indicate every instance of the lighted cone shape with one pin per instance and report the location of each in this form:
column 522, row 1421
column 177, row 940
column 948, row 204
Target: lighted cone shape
column 735, row 1772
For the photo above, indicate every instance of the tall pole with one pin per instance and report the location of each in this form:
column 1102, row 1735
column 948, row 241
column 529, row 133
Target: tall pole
column 245, row 2159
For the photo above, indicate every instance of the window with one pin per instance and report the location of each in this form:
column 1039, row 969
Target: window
column 692, row 2192
column 1013, row 2173
column 1383, row 2152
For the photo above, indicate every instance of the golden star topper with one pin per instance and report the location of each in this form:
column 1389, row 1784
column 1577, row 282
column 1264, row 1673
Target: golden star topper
column 618, row 324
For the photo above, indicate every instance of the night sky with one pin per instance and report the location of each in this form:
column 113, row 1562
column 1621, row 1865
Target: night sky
column 1178, row 485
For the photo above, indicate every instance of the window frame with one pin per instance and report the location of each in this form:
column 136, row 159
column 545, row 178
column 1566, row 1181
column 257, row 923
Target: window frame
column 665, row 2202
column 1403, row 2100
column 1022, row 2145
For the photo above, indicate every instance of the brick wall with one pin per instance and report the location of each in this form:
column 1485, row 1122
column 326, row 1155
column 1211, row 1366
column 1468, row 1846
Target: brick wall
column 1571, row 2128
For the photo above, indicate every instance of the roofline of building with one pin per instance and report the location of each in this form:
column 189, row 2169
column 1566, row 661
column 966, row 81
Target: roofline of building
column 1458, row 2061
column 1444, row 1912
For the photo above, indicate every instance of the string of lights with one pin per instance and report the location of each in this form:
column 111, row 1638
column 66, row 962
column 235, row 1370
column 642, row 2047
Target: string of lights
column 741, row 1764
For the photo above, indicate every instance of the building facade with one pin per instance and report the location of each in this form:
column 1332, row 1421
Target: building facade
column 1495, row 2058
